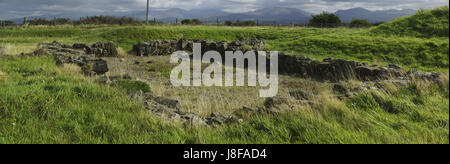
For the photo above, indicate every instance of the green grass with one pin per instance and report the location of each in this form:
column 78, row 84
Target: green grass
column 426, row 24
column 43, row 103
column 40, row 103
column 131, row 86
column 429, row 54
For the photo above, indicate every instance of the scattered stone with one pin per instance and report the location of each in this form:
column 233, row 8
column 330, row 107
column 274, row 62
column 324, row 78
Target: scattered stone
column 90, row 66
column 276, row 105
column 167, row 47
column 155, row 48
column 395, row 66
column 111, row 79
column 335, row 70
column 192, row 119
column 120, row 77
column 221, row 117
column 101, row 49
column 75, row 54
column 253, row 110
column 342, row 90
column 82, row 47
column 171, row 103
column 103, row 80
column 274, row 101
column 95, row 67
column 167, row 109
column 427, row 76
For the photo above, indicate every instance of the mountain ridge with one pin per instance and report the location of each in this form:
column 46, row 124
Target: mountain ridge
column 279, row 15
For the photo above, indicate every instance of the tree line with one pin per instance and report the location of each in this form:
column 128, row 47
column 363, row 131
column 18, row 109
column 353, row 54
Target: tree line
column 97, row 20
column 323, row 20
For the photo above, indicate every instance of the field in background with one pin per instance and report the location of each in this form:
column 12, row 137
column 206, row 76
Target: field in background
column 43, row 103
column 429, row 54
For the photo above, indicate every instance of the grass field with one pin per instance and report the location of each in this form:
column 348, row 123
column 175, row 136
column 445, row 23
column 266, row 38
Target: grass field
column 43, row 103
column 429, row 54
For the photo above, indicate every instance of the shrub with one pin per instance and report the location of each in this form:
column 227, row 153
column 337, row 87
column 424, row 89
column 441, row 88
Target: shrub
column 186, row 21
column 228, row 23
column 325, row 20
column 191, row 22
column 241, row 23
column 360, row 23
column 131, row 86
column 196, row 22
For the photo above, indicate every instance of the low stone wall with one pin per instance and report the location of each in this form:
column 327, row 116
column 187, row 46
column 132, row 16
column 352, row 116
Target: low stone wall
column 76, row 54
column 335, row 70
column 167, row 47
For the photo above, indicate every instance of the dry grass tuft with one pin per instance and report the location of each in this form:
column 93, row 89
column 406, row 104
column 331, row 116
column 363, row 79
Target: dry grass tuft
column 3, row 76
column 122, row 53
column 73, row 70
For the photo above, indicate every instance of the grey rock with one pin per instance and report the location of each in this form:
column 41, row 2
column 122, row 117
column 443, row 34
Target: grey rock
column 274, row 101
column 394, row 66
column 103, row 80
column 155, row 48
column 120, row 77
column 427, row 76
column 221, row 117
column 192, row 119
column 101, row 49
column 342, row 90
column 159, row 48
column 81, row 46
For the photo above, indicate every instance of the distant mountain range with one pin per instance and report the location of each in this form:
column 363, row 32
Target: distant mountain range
column 373, row 16
column 280, row 15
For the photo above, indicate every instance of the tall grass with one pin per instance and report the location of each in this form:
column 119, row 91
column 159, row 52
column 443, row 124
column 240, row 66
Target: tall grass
column 43, row 103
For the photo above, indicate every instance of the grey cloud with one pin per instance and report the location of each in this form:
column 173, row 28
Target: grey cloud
column 19, row 8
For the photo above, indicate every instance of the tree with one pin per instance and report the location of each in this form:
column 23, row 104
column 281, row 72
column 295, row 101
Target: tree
column 228, row 23
column 325, row 20
column 245, row 23
column 190, row 22
column 196, row 22
column 360, row 23
column 7, row 23
column 186, row 21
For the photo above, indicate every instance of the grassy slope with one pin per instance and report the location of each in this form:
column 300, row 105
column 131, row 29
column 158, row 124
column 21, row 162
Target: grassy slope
column 42, row 103
column 419, row 53
column 426, row 24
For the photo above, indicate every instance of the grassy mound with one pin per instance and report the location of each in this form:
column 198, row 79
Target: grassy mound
column 43, row 103
column 426, row 24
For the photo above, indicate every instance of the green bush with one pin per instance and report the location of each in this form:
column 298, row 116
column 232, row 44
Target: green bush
column 360, row 23
column 325, row 20
column 191, row 22
column 131, row 86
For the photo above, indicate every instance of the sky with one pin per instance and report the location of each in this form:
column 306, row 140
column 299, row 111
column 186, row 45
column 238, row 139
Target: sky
column 10, row 9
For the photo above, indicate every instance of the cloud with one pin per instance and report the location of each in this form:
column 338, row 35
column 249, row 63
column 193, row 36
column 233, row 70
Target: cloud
column 75, row 8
